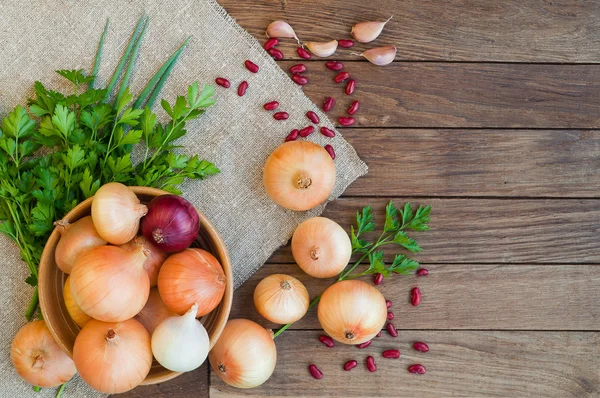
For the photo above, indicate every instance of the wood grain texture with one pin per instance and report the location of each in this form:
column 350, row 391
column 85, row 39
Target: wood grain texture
column 491, row 296
column 193, row 383
column 463, row 95
column 459, row 363
column 508, row 163
column 490, row 230
column 453, row 30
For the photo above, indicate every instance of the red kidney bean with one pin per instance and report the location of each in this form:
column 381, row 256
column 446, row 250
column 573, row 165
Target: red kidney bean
column 303, row 53
column 340, row 77
column 328, row 341
column 276, row 54
column 327, row 132
column 378, row 334
column 348, row 366
column 313, row 117
column 272, row 42
column 306, row 131
column 422, row 272
column 221, row 81
column 415, row 296
column 346, row 121
column 391, row 329
column 315, row 372
column 388, row 303
column 292, row 136
column 350, row 86
column 242, row 88
column 390, row 316
column 353, row 108
column 299, row 79
column 416, row 368
column 298, row 68
column 280, row 115
column 420, row 346
column 378, row 278
column 328, row 104
column 251, row 66
column 345, row 43
column 365, row 344
column 371, row 364
column 332, row 65
column 330, row 151
column 270, row 106
column 391, row 354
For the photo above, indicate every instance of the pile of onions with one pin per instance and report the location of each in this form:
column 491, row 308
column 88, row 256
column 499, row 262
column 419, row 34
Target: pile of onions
column 154, row 312
column 38, row 359
column 321, row 247
column 155, row 257
column 113, row 357
column 299, row 175
column 281, row 299
column 245, row 355
column 191, row 276
column 76, row 314
column 352, row 311
column 75, row 239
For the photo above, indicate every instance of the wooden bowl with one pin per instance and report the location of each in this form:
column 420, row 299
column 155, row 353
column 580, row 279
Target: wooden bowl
column 52, row 279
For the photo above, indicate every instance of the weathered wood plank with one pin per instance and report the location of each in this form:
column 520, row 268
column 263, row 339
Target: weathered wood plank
column 491, row 230
column 463, row 95
column 492, row 296
column 459, row 363
column 188, row 384
column 551, row 163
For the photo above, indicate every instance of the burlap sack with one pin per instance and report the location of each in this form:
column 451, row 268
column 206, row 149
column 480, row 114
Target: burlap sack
column 39, row 36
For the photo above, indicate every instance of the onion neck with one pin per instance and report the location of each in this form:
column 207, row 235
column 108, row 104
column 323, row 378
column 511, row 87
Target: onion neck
column 38, row 361
column 349, row 335
column 303, row 180
column 139, row 255
column 111, row 336
column 285, row 285
column 314, row 253
column 62, row 226
column 222, row 368
column 140, row 209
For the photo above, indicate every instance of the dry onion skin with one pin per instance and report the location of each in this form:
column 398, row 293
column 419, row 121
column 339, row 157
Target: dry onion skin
column 321, row 247
column 113, row 357
column 245, row 355
column 352, row 311
column 155, row 257
column 154, row 312
column 281, row 299
column 76, row 314
column 75, row 239
column 38, row 359
column 299, row 175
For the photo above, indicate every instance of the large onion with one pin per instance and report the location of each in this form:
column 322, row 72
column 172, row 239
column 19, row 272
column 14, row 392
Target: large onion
column 281, row 299
column 75, row 239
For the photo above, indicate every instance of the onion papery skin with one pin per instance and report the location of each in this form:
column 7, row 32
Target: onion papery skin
column 281, row 299
column 116, row 212
column 352, row 311
column 76, row 313
column 113, row 357
column 38, row 359
column 245, row 355
column 154, row 312
column 299, row 175
column 109, row 283
column 155, row 257
column 172, row 223
column 75, row 239
column 321, row 247
column 191, row 276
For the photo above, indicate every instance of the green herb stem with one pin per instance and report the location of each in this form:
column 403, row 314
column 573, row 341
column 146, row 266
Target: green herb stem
column 32, row 304
column 60, row 390
column 131, row 63
column 285, row 327
column 99, row 55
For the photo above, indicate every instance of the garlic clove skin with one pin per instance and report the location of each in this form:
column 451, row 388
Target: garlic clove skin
column 322, row 49
column 281, row 29
column 380, row 56
column 366, row 32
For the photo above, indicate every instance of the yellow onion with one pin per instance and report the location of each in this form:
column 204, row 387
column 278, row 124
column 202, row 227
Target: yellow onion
column 76, row 314
column 299, row 175
column 191, row 276
column 113, row 357
column 352, row 312
column 109, row 283
column 155, row 256
column 75, row 239
column 281, row 298
column 38, row 359
column 321, row 247
column 154, row 312
column 245, row 354
column 116, row 212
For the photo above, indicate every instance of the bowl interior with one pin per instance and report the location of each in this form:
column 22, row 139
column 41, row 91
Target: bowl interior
column 52, row 280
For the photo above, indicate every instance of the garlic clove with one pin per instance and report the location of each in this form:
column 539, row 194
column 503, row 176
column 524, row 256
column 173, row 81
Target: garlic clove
column 366, row 32
column 380, row 56
column 322, row 49
column 281, row 29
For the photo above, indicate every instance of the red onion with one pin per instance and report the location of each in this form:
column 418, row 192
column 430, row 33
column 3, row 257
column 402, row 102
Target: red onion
column 172, row 223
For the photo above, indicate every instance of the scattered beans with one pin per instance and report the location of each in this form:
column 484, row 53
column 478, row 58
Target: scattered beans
column 242, row 88
column 332, row 65
column 416, row 368
column 390, row 316
column 303, row 53
column 388, row 303
column 353, row 108
column 251, row 66
column 350, row 86
column 327, row 132
column 345, row 43
column 328, row 104
column 270, row 106
column 313, row 117
column 299, row 79
column 391, row 354
column 340, row 77
column 365, row 344
column 298, row 68
column 420, row 346
column 351, row 364
column 315, row 372
column 272, row 42
column 221, row 81
column 292, row 136
column 276, row 54
column 346, row 121
column 422, row 272
column 281, row 115
column 330, row 151
column 328, row 341
column 306, row 131
column 391, row 329
column 415, row 296
column 378, row 278
column 371, row 364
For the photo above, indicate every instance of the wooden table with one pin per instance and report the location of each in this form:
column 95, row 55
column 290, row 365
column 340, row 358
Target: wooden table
column 489, row 114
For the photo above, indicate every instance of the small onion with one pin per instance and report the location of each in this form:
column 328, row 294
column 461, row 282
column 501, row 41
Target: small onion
column 245, row 354
column 38, row 359
column 191, row 276
column 172, row 223
column 116, row 212
column 75, row 239
column 155, row 256
column 154, row 312
column 113, row 357
column 299, row 175
column 352, row 311
column 180, row 343
column 76, row 314
column 109, row 283
column 321, row 247
column 281, row 299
